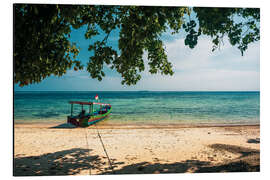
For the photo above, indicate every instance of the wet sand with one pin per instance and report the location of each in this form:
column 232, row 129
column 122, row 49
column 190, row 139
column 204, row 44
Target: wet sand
column 57, row 149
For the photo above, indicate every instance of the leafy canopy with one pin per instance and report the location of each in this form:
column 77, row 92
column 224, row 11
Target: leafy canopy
column 42, row 47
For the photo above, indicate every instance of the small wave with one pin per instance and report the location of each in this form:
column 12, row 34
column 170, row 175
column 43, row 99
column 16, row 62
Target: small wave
column 46, row 115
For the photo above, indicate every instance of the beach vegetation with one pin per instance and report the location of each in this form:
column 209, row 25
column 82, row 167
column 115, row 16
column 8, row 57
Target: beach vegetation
column 42, row 45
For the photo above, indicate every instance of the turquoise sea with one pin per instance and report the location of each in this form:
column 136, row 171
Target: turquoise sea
column 143, row 107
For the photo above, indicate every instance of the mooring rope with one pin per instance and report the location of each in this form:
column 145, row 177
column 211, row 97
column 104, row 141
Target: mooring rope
column 88, row 151
column 104, row 149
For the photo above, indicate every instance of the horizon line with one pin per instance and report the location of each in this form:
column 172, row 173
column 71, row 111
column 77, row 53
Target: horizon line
column 137, row 90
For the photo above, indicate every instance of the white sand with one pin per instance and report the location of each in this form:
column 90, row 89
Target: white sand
column 43, row 150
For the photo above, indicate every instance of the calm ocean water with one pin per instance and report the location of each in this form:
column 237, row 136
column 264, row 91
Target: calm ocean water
column 144, row 106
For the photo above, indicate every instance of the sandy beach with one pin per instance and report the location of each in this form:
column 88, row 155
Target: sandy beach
column 55, row 149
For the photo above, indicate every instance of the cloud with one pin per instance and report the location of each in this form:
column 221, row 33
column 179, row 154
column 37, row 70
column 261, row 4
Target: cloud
column 204, row 80
column 183, row 58
column 202, row 69
column 197, row 69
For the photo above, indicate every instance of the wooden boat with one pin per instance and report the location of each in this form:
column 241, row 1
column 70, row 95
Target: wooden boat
column 87, row 119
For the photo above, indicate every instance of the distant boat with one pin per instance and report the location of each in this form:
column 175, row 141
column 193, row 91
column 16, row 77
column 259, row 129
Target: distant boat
column 86, row 119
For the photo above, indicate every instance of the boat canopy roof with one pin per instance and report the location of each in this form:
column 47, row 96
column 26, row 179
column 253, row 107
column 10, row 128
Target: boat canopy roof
column 87, row 103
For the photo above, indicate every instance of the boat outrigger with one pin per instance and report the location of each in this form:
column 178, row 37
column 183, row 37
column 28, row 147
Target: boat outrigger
column 87, row 119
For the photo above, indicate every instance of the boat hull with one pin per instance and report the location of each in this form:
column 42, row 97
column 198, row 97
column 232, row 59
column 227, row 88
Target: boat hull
column 89, row 120
column 92, row 121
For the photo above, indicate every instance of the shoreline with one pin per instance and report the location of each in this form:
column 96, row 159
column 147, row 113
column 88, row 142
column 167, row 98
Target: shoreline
column 137, row 126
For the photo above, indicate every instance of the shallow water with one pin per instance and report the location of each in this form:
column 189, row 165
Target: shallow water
column 140, row 107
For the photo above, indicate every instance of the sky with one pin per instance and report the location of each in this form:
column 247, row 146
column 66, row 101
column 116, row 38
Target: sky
column 197, row 69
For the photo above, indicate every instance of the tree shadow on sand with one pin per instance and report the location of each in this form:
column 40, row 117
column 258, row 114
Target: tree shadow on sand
column 249, row 161
column 255, row 141
column 67, row 162
column 73, row 161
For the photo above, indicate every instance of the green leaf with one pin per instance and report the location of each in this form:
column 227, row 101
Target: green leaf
column 43, row 46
